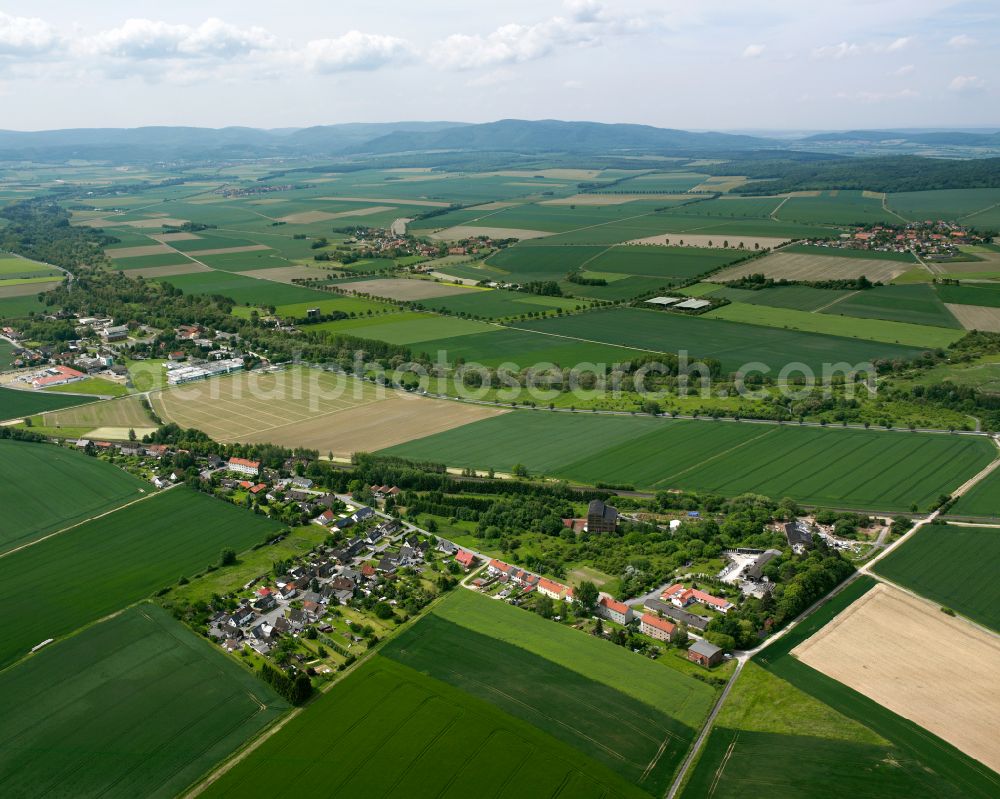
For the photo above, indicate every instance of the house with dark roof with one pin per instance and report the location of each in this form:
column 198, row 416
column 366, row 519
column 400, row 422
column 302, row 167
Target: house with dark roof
column 755, row 571
column 798, row 534
column 676, row 614
column 601, row 518
column 704, row 654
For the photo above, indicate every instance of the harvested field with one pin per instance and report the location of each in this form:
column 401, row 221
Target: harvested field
column 468, row 231
column 796, row 266
column 611, row 199
column 902, row 652
column 403, row 289
column 285, row 274
column 714, row 240
column 227, row 250
column 720, row 183
column 119, row 433
column 132, row 252
column 124, row 413
column 27, row 289
column 182, row 236
column 186, row 268
column 308, row 217
column 494, row 206
column 369, row 428
column 308, row 408
column 976, row 317
column 394, row 200
column 159, row 221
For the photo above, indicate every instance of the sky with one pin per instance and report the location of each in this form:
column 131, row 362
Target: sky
column 710, row 64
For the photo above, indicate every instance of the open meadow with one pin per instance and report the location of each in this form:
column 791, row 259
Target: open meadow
column 44, row 488
column 878, row 647
column 947, row 564
column 106, row 564
column 884, row 470
column 145, row 707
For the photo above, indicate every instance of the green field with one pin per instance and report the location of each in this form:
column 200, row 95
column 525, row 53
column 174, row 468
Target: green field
column 984, row 498
column 146, row 261
column 900, row 333
column 916, row 304
column 405, row 328
column 841, row 468
column 918, row 764
column 243, row 290
column 986, row 294
column 12, row 268
column 19, row 307
column 733, row 344
column 498, row 304
column 569, row 703
column 15, row 403
column 836, row 208
column 387, row 730
column 948, row 204
column 800, row 298
column 103, row 565
column 531, row 262
column 44, row 488
column 945, row 564
column 146, row 707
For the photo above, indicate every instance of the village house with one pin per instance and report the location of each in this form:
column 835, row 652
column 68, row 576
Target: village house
column 615, row 611
column 677, row 615
column 655, row 627
column 465, row 559
column 555, row 590
column 243, row 466
column 681, row 597
column 704, row 654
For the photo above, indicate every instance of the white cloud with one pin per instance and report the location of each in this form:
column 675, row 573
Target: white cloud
column 142, row 39
column 588, row 23
column 25, row 36
column 962, row 41
column 572, row 84
column 966, row 83
column 836, row 50
column 754, row 50
column 354, row 51
column 899, row 44
column 906, row 69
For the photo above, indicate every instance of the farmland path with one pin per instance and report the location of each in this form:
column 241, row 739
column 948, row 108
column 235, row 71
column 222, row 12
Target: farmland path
column 888, row 210
column 143, row 498
column 839, row 299
column 774, row 213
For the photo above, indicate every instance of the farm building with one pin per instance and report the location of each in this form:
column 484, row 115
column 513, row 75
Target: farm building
column 601, row 518
column 655, row 627
column 243, row 466
column 618, row 612
column 704, row 654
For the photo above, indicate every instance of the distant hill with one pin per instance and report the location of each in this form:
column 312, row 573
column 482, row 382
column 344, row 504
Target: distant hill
column 549, row 135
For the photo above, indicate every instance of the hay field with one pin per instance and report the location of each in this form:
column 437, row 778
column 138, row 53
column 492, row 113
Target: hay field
column 797, row 266
column 133, row 252
column 28, row 289
column 308, row 217
column 611, row 199
column 125, row 412
column 902, row 652
column 736, row 242
column 285, row 274
column 182, row 236
column 468, row 231
column 403, row 289
column 310, row 408
column 186, row 268
column 976, row 317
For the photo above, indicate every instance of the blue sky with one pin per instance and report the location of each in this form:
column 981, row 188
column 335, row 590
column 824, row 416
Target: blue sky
column 711, row 64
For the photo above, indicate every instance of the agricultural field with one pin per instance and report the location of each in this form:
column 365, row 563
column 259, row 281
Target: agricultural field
column 244, row 290
column 878, row 647
column 838, row 468
column 915, row 305
column 17, row 302
column 498, row 304
column 799, row 298
column 907, row 334
column 443, row 743
column 14, row 268
column 147, row 707
column 641, row 741
column 733, row 344
column 981, row 294
column 835, row 208
column 984, row 498
column 940, row 563
column 32, row 475
column 970, row 206
column 843, row 252
column 16, row 403
column 406, row 289
column 312, row 409
column 807, row 267
column 105, row 564
column 914, row 763
column 126, row 412
column 406, row 328
column 977, row 317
